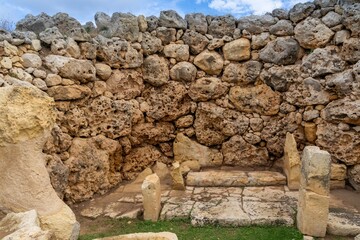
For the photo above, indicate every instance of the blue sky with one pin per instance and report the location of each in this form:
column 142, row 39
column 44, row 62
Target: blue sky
column 84, row 10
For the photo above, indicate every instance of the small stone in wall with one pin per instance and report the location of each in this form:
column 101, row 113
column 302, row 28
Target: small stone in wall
column 222, row 26
column 183, row 71
column 351, row 50
column 197, row 22
column 209, row 61
column 103, row 71
column 171, row 19
column 242, row 73
column 178, row 51
column 155, row 70
column 237, row 50
column 196, row 41
column 31, row 60
column 282, row 51
column 207, row 88
column 300, row 11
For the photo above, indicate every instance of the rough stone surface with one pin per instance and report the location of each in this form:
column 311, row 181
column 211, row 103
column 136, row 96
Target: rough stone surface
column 351, row 50
column 209, row 61
column 196, row 41
column 183, row 71
column 178, row 51
column 125, row 84
column 31, row 60
column 151, row 197
column 197, row 22
column 282, row 51
column 171, row 19
column 292, row 162
column 222, row 26
column 207, row 88
column 256, row 24
column 237, row 50
column 300, row 11
column 242, row 73
column 343, row 224
column 155, row 70
column 143, row 236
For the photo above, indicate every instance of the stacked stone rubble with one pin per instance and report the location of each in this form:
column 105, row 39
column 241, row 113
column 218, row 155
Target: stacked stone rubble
column 127, row 88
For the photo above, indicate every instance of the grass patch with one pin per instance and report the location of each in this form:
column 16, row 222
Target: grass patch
column 184, row 230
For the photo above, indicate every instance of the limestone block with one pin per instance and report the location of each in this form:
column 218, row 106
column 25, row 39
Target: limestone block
column 177, row 178
column 291, row 162
column 151, row 197
column 210, row 62
column 143, row 236
column 237, row 50
column 312, row 216
column 315, row 170
column 310, row 131
column 338, row 171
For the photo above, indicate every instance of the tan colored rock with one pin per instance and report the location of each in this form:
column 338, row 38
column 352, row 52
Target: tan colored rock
column 155, row 70
column 354, row 176
column 260, row 99
column 337, row 184
column 193, row 165
column 183, row 71
column 292, row 162
column 210, row 62
column 23, row 225
column 151, row 191
column 178, row 51
column 125, row 84
column 338, row 171
column 350, row 50
column 103, row 71
column 207, row 88
column 177, row 177
column 342, row 110
column 237, row 152
column 186, row 149
column 65, row 93
column 310, row 131
column 344, row 224
column 152, row 133
column 237, row 50
column 313, row 211
column 242, row 73
column 52, row 80
column 6, row 62
column 27, row 116
column 143, row 236
column 185, row 121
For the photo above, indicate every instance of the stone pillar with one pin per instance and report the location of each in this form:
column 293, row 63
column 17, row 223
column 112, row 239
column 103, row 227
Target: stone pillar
column 151, row 191
column 177, row 178
column 291, row 162
column 313, row 204
column 27, row 116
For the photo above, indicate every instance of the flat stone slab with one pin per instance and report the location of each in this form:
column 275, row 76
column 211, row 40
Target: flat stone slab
column 234, row 179
column 343, row 223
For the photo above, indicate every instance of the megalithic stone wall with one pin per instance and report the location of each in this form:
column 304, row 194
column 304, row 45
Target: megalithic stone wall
column 125, row 89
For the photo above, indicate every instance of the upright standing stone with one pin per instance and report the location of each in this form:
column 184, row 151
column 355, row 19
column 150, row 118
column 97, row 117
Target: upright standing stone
column 291, row 162
column 151, row 192
column 313, row 205
column 26, row 118
column 177, row 178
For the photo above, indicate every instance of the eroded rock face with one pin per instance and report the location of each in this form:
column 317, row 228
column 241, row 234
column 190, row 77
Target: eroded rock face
column 260, row 99
column 213, row 124
column 237, row 152
column 237, row 50
column 210, row 62
column 242, row 73
column 222, row 26
column 171, row 19
column 282, row 51
column 94, row 166
column 196, row 41
column 343, row 110
column 256, row 24
column 155, row 70
column 183, row 71
column 152, row 133
column 125, row 84
column 351, row 50
column 279, row 78
column 204, row 89
column 197, row 22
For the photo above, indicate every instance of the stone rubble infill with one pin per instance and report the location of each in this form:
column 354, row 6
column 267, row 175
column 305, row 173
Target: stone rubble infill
column 234, row 178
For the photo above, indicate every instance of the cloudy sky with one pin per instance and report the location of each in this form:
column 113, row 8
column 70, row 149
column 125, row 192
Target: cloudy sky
column 84, row 10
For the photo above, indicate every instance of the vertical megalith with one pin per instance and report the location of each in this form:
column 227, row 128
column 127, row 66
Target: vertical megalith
column 177, row 177
column 291, row 162
column 151, row 191
column 26, row 118
column 313, row 205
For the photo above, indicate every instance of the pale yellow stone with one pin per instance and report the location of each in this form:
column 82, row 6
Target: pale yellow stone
column 177, row 178
column 292, row 162
column 310, row 132
column 151, row 191
column 143, row 236
column 338, row 171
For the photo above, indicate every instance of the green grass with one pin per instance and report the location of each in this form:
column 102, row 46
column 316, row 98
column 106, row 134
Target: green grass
column 184, row 230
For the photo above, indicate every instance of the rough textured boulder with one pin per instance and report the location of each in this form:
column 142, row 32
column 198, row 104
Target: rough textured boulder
column 183, row 71
column 237, row 152
column 196, row 41
column 171, row 19
column 155, row 70
column 351, row 18
column 256, row 24
column 260, row 99
column 222, row 26
column 35, row 24
column 27, row 118
column 242, row 73
column 342, row 110
column 152, row 133
column 280, row 78
column 180, row 52
column 186, row 149
column 282, row 28
column 166, row 35
column 210, row 62
column 125, row 26
column 125, row 84
column 31, row 60
column 197, row 22
column 237, row 50
column 150, row 44
column 311, row 33
column 351, row 50
column 282, row 51
column 65, row 93
column 207, row 88
column 213, row 124
column 300, row 11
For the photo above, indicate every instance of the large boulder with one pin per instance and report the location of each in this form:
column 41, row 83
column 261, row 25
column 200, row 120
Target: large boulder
column 222, row 26
column 242, row 73
column 237, row 50
column 27, row 116
column 282, row 51
column 155, row 70
column 196, row 41
column 171, row 19
column 210, row 62
column 126, row 84
column 197, row 22
column 125, row 26
column 207, row 88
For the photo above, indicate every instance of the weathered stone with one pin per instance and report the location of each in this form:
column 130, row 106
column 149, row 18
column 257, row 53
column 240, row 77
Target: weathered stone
column 351, row 50
column 237, row 152
column 280, row 78
column 222, row 26
column 50, row 34
column 237, row 50
column 267, row 101
column 313, row 211
column 207, row 88
column 351, row 18
column 94, row 167
column 196, row 41
column 280, row 13
column 256, row 24
column 343, row 224
column 123, row 25
column 31, row 60
column 331, row 19
column 32, row 110
column 150, row 44
column 102, row 21
column 342, row 83
column 310, row 115
column 155, row 70
column 354, row 176
column 300, row 11
column 310, row 131
column 323, row 61
column 311, row 33
column 151, row 191
column 178, row 51
column 183, row 71
column 209, row 61
column 213, row 124
column 341, row 36
column 171, row 19
column 23, row 225
column 72, row 92
column 282, row 28
column 35, row 24
column 342, row 110
column 282, row 51
column 338, row 172
column 166, row 35
column 242, row 73
column 168, row 102
column 152, row 133
column 292, row 162
column 125, row 84
column 142, row 23
column 177, row 177
column 152, row 23
column 103, row 71
column 197, row 22
column 143, row 236
column 186, row 149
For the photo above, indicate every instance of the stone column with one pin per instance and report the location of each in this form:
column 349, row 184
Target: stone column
column 313, row 204
column 177, row 177
column 27, row 116
column 291, row 162
column 151, row 191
